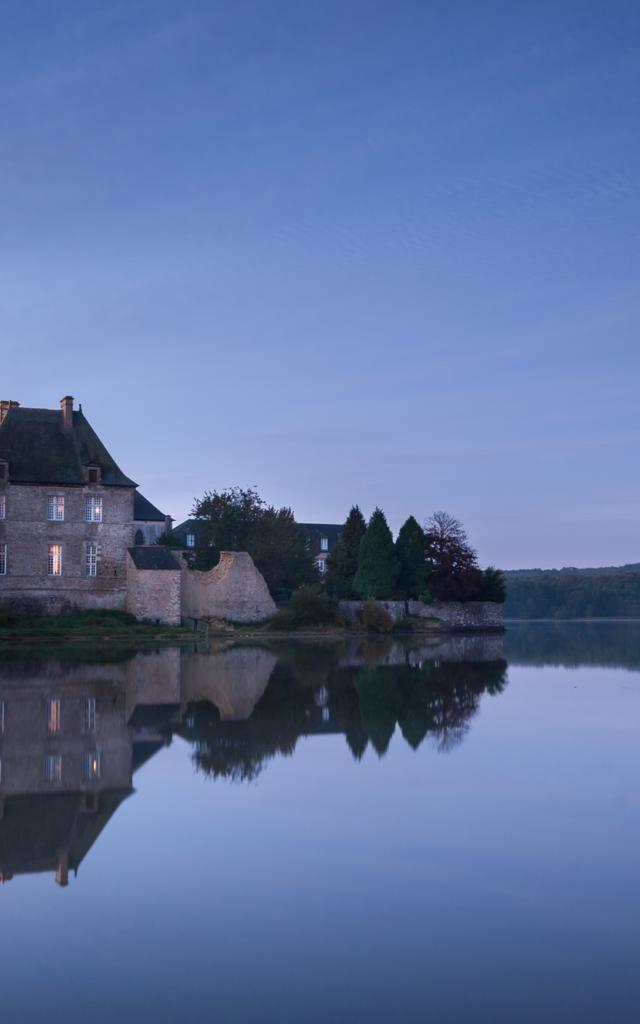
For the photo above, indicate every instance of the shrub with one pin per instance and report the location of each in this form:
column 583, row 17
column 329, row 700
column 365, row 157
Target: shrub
column 376, row 618
column 309, row 606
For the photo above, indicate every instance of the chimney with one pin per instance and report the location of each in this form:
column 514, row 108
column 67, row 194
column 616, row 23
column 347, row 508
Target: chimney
column 62, row 869
column 5, row 405
column 66, row 406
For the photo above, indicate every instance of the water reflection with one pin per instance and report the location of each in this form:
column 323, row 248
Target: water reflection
column 72, row 737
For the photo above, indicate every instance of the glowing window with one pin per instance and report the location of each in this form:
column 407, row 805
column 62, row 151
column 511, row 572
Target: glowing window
column 53, row 720
column 91, row 766
column 93, row 510
column 55, row 508
column 54, row 560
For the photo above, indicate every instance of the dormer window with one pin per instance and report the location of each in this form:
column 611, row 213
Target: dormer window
column 4, row 470
column 93, row 474
column 191, row 540
column 324, row 543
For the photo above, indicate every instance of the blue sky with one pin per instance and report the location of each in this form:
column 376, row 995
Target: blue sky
column 383, row 252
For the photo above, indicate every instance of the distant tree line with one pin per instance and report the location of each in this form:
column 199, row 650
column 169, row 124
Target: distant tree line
column 573, row 595
column 434, row 562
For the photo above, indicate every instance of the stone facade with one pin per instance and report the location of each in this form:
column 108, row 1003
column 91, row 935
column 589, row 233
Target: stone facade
column 455, row 615
column 27, row 533
column 154, row 594
column 232, row 590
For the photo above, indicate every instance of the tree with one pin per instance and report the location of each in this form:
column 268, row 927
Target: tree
column 493, row 586
column 377, row 573
column 455, row 575
column 411, row 552
column 238, row 519
column 342, row 563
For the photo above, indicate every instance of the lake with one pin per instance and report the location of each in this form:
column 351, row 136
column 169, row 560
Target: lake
column 367, row 830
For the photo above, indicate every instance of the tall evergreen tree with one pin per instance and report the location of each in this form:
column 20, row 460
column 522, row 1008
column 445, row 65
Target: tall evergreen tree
column 343, row 560
column 411, row 551
column 377, row 574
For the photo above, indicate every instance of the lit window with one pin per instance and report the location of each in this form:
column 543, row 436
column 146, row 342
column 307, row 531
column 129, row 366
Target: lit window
column 191, row 540
column 53, row 721
column 93, row 510
column 54, row 560
column 55, row 508
column 91, row 560
column 52, row 768
column 89, row 715
column 324, row 543
column 3, row 506
column 3, row 559
column 91, row 766
column 321, row 565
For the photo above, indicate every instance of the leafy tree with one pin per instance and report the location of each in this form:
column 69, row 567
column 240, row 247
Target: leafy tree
column 493, row 586
column 377, row 573
column 238, row 519
column 411, row 551
column 455, row 575
column 342, row 563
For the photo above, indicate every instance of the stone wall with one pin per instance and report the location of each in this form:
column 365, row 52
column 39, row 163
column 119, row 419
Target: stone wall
column 27, row 532
column 457, row 615
column 233, row 590
column 154, row 594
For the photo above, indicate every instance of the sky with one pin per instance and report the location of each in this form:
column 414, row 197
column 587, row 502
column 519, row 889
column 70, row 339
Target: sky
column 372, row 251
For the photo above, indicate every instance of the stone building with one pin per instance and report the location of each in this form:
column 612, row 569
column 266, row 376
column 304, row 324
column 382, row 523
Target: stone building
column 68, row 513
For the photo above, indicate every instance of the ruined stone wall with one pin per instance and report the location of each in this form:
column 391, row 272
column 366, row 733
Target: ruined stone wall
column 154, row 594
column 456, row 615
column 233, row 590
column 26, row 531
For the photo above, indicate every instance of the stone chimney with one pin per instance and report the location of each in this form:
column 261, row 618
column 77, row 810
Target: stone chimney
column 5, row 405
column 66, row 406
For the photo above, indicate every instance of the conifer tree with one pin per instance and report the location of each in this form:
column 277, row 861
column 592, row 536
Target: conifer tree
column 411, row 551
column 377, row 574
column 343, row 560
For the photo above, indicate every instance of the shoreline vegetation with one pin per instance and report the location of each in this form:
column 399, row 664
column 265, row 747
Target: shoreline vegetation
column 120, row 628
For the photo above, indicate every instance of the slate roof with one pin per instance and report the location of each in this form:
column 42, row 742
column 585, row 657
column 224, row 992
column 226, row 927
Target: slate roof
column 144, row 511
column 40, row 451
column 153, row 556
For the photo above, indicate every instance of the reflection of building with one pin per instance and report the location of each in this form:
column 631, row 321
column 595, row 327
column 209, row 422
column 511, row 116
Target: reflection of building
column 71, row 739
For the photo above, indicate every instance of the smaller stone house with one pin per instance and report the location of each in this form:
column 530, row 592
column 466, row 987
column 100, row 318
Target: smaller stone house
column 149, row 522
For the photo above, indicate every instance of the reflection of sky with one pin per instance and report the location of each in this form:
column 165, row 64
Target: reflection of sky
column 355, row 251
column 497, row 882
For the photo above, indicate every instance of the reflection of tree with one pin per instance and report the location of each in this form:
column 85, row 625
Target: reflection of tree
column 314, row 689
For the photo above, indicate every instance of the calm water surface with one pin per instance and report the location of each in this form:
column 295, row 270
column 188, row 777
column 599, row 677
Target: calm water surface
column 365, row 831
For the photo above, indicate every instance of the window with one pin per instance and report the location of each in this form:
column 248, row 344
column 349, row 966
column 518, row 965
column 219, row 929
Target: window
column 91, row 766
column 55, row 508
column 321, row 565
column 93, row 475
column 1, row 717
column 3, row 506
column 89, row 715
column 54, row 560
column 3, row 559
column 93, row 510
column 91, row 560
column 3, row 471
column 191, row 540
column 52, row 768
column 53, row 720
column 324, row 543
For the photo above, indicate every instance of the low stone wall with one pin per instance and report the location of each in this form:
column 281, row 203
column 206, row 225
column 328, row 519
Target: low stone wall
column 30, row 600
column 456, row 615
column 233, row 590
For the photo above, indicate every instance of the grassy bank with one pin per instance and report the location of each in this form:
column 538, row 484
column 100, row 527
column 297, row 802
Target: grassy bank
column 102, row 626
